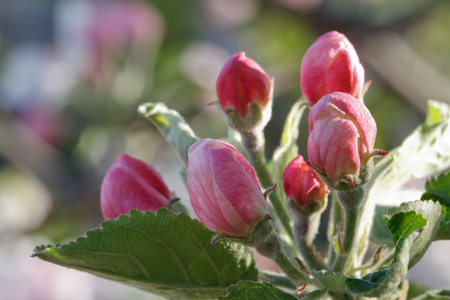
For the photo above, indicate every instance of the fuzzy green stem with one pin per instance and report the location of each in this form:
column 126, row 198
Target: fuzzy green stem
column 333, row 221
column 305, row 229
column 272, row 247
column 253, row 142
column 350, row 201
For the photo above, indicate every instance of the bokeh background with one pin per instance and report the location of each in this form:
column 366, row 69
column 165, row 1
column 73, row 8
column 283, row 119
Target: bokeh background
column 72, row 73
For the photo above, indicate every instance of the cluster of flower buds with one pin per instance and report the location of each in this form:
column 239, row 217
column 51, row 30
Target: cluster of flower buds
column 132, row 184
column 224, row 189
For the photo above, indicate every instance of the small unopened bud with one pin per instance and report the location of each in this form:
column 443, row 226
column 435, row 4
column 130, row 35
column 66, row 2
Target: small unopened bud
column 306, row 192
column 331, row 64
column 224, row 190
column 132, row 184
column 341, row 139
column 244, row 91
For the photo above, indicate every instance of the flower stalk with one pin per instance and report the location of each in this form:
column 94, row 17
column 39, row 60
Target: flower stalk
column 272, row 247
column 253, row 142
column 350, row 201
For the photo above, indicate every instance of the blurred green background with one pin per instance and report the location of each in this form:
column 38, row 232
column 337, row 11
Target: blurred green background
column 72, row 73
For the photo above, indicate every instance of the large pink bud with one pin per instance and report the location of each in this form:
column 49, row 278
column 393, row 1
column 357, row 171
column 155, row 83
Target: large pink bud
column 302, row 185
column 341, row 137
column 131, row 183
column 223, row 188
column 331, row 64
column 241, row 82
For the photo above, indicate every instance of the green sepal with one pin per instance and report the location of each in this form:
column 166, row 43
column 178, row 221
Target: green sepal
column 163, row 253
column 260, row 231
column 171, row 125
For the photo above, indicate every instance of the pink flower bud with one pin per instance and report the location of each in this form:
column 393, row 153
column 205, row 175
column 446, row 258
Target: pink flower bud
column 224, row 190
column 301, row 184
column 341, row 136
column 131, row 183
column 331, row 64
column 242, row 81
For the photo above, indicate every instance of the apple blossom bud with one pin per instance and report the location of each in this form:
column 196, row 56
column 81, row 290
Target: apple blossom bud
column 223, row 188
column 241, row 83
column 132, row 184
column 331, row 64
column 306, row 192
column 341, row 138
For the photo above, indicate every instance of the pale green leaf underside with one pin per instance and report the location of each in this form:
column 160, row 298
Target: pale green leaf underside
column 171, row 125
column 164, row 253
column 250, row 290
column 424, row 153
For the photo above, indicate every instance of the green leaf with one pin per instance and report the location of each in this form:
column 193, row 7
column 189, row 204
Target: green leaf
column 288, row 149
column 411, row 216
column 171, row 125
column 438, row 189
column 250, row 290
column 163, row 253
column 402, row 224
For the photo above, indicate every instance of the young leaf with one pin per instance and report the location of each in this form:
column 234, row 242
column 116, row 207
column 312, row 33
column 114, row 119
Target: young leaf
column 171, row 125
column 413, row 226
column 402, row 224
column 412, row 216
column 438, row 189
column 163, row 253
column 377, row 284
column 250, row 290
